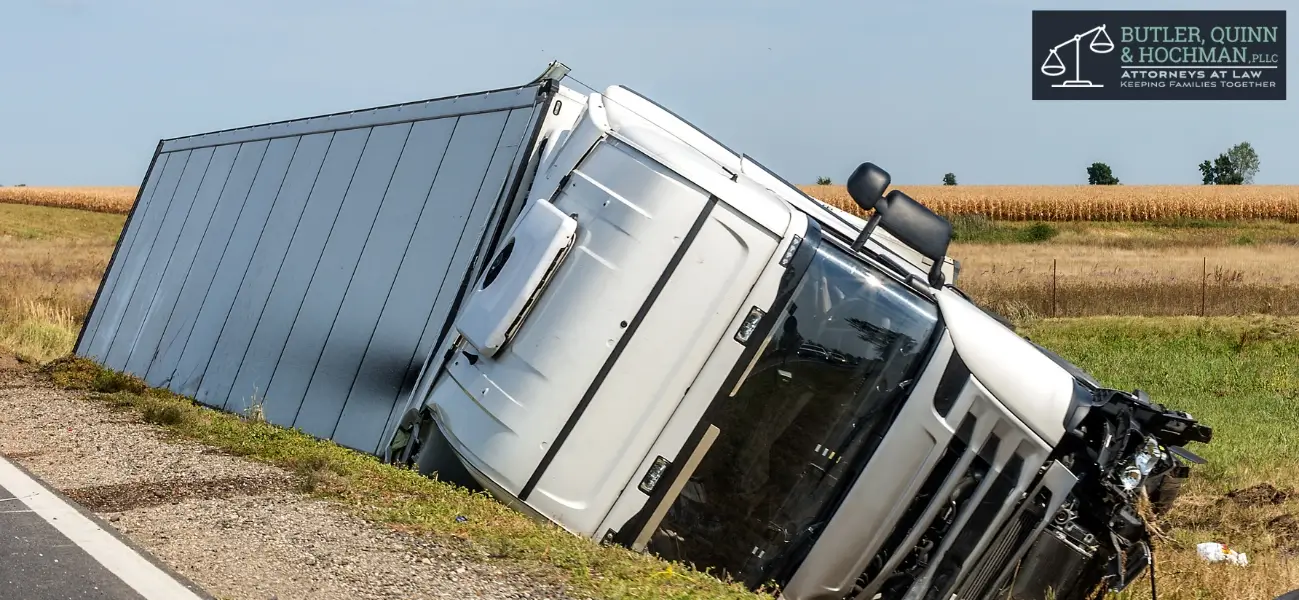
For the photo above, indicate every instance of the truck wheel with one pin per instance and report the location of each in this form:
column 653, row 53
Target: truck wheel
column 435, row 458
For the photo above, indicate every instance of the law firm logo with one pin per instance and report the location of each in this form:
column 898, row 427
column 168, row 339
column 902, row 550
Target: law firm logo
column 1159, row 55
column 1054, row 67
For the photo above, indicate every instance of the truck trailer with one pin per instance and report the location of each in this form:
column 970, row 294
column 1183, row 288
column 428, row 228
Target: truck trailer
column 647, row 338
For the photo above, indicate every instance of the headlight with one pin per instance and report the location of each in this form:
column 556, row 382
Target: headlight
column 1143, row 462
column 1148, row 457
column 1131, row 478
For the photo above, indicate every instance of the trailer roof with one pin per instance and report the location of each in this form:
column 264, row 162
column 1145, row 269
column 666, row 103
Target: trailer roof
column 504, row 99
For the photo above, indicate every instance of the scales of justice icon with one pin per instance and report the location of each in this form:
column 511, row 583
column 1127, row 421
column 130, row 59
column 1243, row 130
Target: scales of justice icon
column 1054, row 67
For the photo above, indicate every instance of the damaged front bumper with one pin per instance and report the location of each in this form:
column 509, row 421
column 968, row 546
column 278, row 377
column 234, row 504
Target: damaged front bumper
column 1128, row 456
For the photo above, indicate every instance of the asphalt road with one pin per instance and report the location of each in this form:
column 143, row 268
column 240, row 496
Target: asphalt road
column 51, row 549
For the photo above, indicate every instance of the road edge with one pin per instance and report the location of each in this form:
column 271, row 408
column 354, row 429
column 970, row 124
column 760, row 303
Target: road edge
column 108, row 528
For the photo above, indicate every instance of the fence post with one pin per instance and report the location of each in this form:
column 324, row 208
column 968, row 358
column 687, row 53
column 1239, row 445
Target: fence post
column 1053, row 287
column 1204, row 282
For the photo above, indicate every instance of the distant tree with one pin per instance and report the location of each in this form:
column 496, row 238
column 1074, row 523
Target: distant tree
column 1222, row 171
column 823, row 181
column 949, row 179
column 1100, row 174
column 1244, row 161
column 1207, row 174
column 1238, row 165
column 1227, row 172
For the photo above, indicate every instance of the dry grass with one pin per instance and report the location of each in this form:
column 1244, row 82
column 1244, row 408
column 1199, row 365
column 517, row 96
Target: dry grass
column 99, row 199
column 1246, row 519
column 1094, row 202
column 51, row 261
column 1016, row 279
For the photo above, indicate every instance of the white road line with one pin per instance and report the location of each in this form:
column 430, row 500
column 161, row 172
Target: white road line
column 134, row 570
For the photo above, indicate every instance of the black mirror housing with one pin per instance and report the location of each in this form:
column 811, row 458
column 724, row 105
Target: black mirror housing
column 867, row 183
column 916, row 225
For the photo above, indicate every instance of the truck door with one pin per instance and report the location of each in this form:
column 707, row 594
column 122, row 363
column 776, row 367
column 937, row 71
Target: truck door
column 691, row 311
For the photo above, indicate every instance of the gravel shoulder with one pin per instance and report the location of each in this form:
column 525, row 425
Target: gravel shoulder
column 238, row 528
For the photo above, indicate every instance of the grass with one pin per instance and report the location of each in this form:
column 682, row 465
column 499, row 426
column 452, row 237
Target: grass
column 1141, row 203
column 975, row 229
column 51, row 262
column 1154, row 235
column 38, row 223
column 100, row 199
column 1239, row 375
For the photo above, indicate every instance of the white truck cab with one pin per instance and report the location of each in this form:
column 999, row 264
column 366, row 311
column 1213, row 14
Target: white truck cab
column 674, row 349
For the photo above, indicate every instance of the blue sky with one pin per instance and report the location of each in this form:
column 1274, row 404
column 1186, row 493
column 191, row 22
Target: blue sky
column 808, row 88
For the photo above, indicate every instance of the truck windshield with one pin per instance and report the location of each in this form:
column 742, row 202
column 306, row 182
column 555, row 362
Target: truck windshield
column 829, row 378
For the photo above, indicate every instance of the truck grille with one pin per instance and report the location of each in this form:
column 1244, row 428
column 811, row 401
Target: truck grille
column 968, row 523
column 1016, row 534
column 923, row 499
column 983, row 517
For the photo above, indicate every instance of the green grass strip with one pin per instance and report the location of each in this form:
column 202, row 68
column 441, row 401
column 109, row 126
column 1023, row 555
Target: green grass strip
column 403, row 499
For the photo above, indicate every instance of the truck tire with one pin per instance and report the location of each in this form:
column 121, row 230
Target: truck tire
column 435, row 458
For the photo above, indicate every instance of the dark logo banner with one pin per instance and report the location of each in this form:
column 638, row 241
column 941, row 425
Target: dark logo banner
column 1159, row 55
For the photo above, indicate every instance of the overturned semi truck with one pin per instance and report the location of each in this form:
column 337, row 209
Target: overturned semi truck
column 613, row 322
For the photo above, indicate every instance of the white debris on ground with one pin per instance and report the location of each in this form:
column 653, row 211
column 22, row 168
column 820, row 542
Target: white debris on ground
column 235, row 527
column 1216, row 552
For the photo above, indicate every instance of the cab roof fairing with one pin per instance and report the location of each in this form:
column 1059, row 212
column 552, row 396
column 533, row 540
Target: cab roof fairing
column 652, row 128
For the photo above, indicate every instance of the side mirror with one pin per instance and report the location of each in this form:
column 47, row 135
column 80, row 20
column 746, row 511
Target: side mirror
column 867, row 183
column 918, row 227
column 908, row 220
column 915, row 224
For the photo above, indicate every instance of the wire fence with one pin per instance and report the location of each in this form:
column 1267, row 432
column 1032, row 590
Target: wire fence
column 1045, row 288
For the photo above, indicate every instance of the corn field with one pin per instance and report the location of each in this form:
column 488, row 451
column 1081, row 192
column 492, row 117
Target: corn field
column 99, row 199
column 1095, row 202
column 998, row 202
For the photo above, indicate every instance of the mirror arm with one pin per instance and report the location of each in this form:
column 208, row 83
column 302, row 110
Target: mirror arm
column 866, row 231
column 936, row 278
